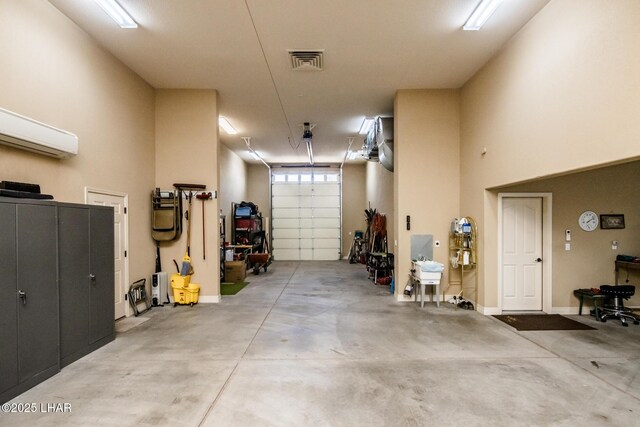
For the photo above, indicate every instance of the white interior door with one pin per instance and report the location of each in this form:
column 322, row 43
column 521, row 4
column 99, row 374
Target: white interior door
column 522, row 254
column 119, row 204
column 306, row 215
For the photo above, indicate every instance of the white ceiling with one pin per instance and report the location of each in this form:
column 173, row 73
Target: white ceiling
column 372, row 48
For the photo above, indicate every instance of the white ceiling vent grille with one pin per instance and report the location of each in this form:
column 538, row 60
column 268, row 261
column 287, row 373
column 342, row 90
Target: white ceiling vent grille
column 308, row 60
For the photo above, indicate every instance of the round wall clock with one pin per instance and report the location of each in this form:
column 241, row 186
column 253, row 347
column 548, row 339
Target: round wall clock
column 588, row 221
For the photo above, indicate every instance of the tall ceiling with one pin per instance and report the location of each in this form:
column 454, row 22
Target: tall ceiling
column 372, row 48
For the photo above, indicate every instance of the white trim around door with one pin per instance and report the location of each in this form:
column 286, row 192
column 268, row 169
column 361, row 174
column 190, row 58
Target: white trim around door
column 547, row 247
column 125, row 197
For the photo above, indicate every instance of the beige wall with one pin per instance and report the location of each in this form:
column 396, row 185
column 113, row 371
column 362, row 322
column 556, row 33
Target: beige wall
column 589, row 263
column 427, row 171
column 379, row 195
column 233, row 184
column 353, row 203
column 561, row 96
column 53, row 72
column 258, row 191
column 187, row 152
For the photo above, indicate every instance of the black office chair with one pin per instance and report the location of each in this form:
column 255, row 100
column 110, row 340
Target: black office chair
column 617, row 310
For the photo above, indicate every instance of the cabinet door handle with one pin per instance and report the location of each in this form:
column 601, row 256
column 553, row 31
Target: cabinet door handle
column 538, row 260
column 23, row 297
column 92, row 277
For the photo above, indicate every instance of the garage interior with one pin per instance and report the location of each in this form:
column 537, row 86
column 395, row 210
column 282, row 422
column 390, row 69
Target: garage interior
column 539, row 105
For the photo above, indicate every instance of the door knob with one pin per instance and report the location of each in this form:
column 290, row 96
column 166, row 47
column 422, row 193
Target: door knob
column 538, row 260
column 23, row 297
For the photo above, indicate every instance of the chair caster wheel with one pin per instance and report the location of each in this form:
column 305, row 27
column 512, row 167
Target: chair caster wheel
column 636, row 322
column 191, row 304
column 625, row 324
column 603, row 320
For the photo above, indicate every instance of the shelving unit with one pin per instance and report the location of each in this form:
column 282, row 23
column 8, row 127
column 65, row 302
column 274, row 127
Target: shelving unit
column 247, row 228
column 463, row 257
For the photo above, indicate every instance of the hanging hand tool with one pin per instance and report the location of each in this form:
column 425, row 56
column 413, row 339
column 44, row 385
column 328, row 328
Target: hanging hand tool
column 158, row 262
column 187, row 268
column 203, row 197
column 188, row 217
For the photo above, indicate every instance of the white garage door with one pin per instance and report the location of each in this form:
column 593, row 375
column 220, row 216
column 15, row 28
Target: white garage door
column 306, row 214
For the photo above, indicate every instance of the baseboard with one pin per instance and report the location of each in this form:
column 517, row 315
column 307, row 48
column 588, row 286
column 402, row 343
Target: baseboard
column 204, row 299
column 492, row 311
column 569, row 310
column 405, row 298
column 209, row 299
column 489, row 311
column 412, row 298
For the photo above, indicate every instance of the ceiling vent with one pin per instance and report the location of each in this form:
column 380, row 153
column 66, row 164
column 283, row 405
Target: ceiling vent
column 307, row 60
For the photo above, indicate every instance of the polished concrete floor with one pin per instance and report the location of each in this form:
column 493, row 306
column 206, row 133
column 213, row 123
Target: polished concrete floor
column 316, row 344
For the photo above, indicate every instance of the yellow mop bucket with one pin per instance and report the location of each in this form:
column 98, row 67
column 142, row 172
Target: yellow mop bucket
column 184, row 292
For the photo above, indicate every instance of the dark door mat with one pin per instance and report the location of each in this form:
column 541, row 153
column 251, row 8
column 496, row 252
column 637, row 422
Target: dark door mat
column 541, row 322
column 228, row 288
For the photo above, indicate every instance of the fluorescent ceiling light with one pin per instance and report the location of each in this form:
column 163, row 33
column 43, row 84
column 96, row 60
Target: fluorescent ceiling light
column 366, row 125
column 482, row 13
column 253, row 153
column 354, row 155
column 117, row 13
column 309, row 151
column 224, row 124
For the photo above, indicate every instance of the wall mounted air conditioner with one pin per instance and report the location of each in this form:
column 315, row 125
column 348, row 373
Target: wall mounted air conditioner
column 28, row 134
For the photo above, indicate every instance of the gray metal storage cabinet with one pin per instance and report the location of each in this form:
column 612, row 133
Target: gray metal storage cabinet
column 86, row 254
column 57, row 293
column 29, row 330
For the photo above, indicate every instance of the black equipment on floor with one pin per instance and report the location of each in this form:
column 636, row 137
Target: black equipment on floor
column 617, row 310
column 137, row 295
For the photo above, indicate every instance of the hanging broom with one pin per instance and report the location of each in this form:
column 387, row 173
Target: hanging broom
column 187, row 268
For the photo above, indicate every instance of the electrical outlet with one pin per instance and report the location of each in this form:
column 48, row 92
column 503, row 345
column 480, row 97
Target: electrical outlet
column 567, row 246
